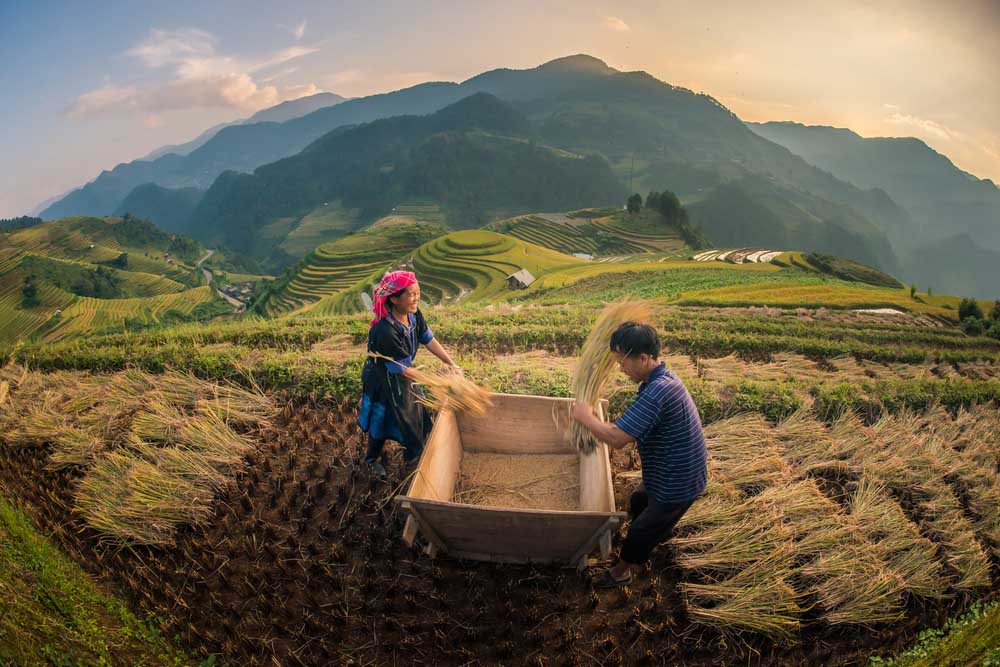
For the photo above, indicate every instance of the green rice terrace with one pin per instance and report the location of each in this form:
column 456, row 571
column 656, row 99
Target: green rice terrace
column 210, row 473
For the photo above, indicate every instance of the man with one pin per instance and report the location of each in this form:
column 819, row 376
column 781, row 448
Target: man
column 664, row 423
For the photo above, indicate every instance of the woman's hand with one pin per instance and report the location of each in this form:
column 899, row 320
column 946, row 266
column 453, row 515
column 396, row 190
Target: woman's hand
column 455, row 369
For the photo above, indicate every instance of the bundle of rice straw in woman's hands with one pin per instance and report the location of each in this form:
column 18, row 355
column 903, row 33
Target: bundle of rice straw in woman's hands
column 597, row 363
column 449, row 389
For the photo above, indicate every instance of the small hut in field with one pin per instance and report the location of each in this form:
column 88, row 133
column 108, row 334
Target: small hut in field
column 520, row 280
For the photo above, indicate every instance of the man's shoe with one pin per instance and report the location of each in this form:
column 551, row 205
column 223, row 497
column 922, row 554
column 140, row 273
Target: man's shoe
column 608, row 580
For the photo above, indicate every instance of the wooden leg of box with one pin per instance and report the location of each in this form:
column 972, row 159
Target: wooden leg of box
column 410, row 531
column 605, row 544
column 581, row 555
column 435, row 541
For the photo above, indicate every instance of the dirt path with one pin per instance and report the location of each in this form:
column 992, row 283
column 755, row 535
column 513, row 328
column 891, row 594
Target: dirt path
column 235, row 303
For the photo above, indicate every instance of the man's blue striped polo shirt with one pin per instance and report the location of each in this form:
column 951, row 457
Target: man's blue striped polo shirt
column 665, row 423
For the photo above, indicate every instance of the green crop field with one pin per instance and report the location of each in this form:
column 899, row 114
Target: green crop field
column 327, row 222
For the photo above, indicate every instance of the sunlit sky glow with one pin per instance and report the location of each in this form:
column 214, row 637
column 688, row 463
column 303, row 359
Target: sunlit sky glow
column 85, row 85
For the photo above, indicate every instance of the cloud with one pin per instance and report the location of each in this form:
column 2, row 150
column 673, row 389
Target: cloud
column 616, row 24
column 279, row 74
column 168, row 47
column 103, row 99
column 298, row 30
column 153, row 121
column 202, row 78
column 922, row 124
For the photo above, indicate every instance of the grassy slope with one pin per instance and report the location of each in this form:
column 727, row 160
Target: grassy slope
column 326, row 222
column 51, row 613
column 969, row 641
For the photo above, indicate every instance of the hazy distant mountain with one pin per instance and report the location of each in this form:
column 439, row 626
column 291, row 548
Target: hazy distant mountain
column 167, row 208
column 276, row 114
column 187, row 147
column 757, row 211
column 944, row 201
column 471, row 157
column 958, row 265
column 576, row 103
column 295, row 108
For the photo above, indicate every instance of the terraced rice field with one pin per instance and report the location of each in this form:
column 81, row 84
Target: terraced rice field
column 475, row 264
column 344, row 264
column 418, row 211
column 559, row 232
column 88, row 315
column 738, row 255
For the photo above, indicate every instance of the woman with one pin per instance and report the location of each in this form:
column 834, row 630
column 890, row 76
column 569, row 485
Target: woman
column 389, row 407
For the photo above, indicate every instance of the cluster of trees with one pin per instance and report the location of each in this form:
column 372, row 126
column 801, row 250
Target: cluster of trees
column 29, row 293
column 975, row 322
column 674, row 214
column 10, row 224
column 138, row 233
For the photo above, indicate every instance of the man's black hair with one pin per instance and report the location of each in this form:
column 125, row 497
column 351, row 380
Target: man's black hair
column 633, row 338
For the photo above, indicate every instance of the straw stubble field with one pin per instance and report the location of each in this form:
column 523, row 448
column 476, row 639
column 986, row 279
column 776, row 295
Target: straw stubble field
column 253, row 532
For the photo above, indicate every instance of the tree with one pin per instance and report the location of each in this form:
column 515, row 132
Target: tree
column 634, row 204
column 969, row 308
column 913, row 291
column 995, row 313
column 29, row 293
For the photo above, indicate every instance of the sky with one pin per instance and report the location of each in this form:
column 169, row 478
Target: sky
column 86, row 85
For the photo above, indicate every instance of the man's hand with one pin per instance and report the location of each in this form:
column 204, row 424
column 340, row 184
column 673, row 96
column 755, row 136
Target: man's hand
column 582, row 412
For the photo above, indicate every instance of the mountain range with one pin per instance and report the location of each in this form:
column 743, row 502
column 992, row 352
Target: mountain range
column 742, row 183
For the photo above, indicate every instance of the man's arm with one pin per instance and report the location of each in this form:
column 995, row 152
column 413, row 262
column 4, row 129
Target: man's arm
column 603, row 431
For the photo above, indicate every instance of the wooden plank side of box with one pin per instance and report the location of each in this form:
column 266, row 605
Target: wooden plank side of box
column 518, row 424
column 511, row 535
column 441, row 461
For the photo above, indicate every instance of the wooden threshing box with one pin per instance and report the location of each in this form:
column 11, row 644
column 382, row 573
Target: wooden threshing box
column 521, row 426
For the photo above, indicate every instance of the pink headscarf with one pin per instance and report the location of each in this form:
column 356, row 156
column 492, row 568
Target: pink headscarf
column 390, row 284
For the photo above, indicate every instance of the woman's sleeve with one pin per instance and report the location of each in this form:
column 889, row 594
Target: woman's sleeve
column 424, row 332
column 387, row 343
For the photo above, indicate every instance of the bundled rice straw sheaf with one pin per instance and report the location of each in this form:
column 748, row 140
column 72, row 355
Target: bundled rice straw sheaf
column 925, row 476
column 897, row 539
column 744, row 452
column 758, row 598
column 597, row 363
column 971, row 455
column 154, row 449
column 450, row 390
